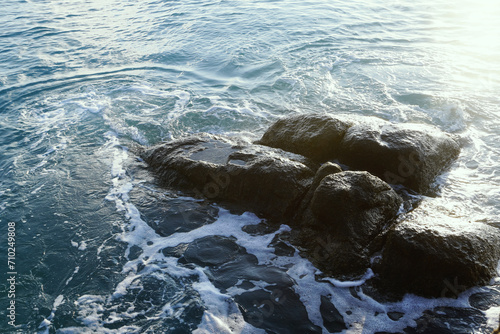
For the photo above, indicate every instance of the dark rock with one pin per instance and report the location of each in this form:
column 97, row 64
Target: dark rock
column 227, row 263
column 281, row 248
column 354, row 205
column 268, row 181
column 261, row 228
column 212, row 251
column 342, row 259
column 346, row 214
column 450, row 320
column 168, row 214
column 324, row 170
column 176, row 251
column 485, row 299
column 134, row 252
column 314, row 136
column 332, row 319
column 176, row 215
column 276, row 310
column 395, row 316
column 340, row 219
column 276, row 307
column 438, row 258
column 246, row 267
column 408, row 154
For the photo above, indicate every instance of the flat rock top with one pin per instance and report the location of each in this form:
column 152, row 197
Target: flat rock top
column 219, row 150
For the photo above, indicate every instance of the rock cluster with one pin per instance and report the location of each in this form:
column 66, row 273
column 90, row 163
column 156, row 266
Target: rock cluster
column 340, row 216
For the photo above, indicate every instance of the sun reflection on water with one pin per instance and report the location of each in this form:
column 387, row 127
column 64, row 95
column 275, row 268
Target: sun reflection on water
column 471, row 28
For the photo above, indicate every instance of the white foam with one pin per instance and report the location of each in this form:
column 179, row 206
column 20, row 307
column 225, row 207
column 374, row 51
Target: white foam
column 46, row 324
column 83, row 246
column 493, row 317
column 77, row 269
column 90, row 312
column 222, row 314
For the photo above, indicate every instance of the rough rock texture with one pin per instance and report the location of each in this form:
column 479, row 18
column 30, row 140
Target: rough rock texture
column 408, row 154
column 340, row 219
column 267, row 181
column 439, row 258
column 350, row 209
column 326, row 169
column 353, row 205
column 314, row 136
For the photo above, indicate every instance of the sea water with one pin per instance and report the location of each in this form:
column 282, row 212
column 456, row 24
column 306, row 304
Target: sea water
column 98, row 242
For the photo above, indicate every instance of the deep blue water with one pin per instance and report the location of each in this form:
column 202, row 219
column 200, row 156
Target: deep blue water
column 84, row 82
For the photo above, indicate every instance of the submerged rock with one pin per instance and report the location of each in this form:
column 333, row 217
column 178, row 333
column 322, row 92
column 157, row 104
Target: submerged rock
column 212, row 251
column 332, row 319
column 276, row 310
column 439, row 258
column 273, row 305
column 408, row 154
column 351, row 209
column 449, row 320
column 314, row 136
column 267, row 181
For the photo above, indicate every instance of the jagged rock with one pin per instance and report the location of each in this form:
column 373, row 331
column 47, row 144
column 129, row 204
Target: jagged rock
column 267, row 181
column 314, row 136
column 350, row 209
column 408, row 154
column 438, row 258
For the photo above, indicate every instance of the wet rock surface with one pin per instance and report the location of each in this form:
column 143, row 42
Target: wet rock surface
column 332, row 319
column 170, row 214
column 340, row 219
column 277, row 311
column 439, row 258
column 449, row 320
column 314, row 136
column 273, row 305
column 353, row 208
column 407, row 154
column 268, row 181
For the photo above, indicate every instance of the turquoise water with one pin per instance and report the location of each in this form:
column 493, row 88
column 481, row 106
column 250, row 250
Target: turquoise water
column 83, row 83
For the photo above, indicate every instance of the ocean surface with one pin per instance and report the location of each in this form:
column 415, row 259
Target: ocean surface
column 97, row 241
